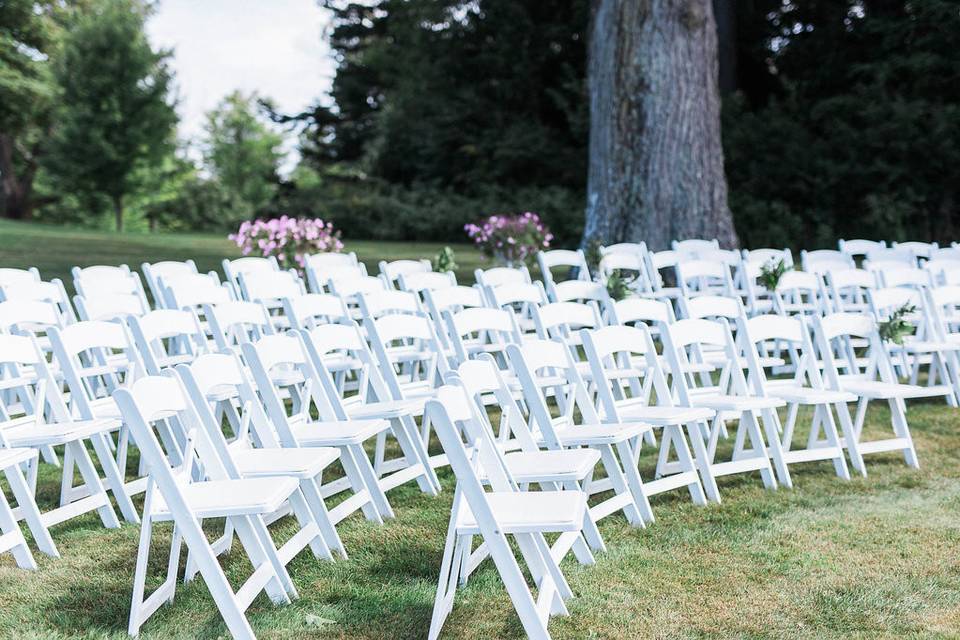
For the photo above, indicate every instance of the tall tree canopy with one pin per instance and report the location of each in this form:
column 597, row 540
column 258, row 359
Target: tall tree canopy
column 242, row 154
column 115, row 111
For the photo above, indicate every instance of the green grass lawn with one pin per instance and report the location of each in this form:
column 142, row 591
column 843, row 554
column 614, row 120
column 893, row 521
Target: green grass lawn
column 872, row 557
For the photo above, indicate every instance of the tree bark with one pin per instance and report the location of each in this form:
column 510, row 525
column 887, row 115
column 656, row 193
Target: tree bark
column 725, row 12
column 118, row 212
column 656, row 163
column 17, row 187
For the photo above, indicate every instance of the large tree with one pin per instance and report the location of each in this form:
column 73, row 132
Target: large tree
column 242, row 154
column 656, row 162
column 115, row 112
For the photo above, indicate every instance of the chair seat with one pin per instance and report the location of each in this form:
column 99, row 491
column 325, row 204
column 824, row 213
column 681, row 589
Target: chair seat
column 661, row 415
column 13, row 457
column 552, row 466
column 879, row 390
column 529, row 512
column 339, row 433
column 927, row 346
column 796, row 394
column 596, row 434
column 221, row 498
column 386, row 409
column 27, row 433
column 299, row 463
column 737, row 403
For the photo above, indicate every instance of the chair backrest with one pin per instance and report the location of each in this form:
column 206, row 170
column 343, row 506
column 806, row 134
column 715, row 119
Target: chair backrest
column 703, row 277
column 834, row 335
column 496, row 276
column 622, row 356
column 712, row 307
column 692, row 247
column 798, row 292
column 629, row 265
column 167, row 337
column 194, row 290
column 729, row 257
column 39, row 291
column 320, row 273
column 886, row 300
column 540, row 365
column 415, row 337
column 562, row 258
column 516, row 294
column 153, row 272
column 945, row 270
column 269, row 287
column 206, row 381
column 824, row 260
column 29, row 316
column 28, row 390
column 918, row 249
column 11, row 276
column 911, row 277
column 426, row 280
column 848, row 288
column 379, row 303
column 250, row 264
column 859, row 247
column 645, row 310
column 351, row 288
column 102, row 280
column 237, row 321
column 892, row 254
column 950, row 253
column 684, row 344
column 791, row 336
column 766, row 256
column 391, row 271
column 308, row 310
column 579, row 291
column 96, row 359
column 480, row 330
column 450, row 299
column 562, row 320
column 109, row 306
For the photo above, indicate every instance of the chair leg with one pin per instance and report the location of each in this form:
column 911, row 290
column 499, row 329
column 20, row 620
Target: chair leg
column 311, row 493
column 365, row 469
column 95, row 487
column 902, row 430
column 114, row 478
column 30, row 512
column 632, row 475
column 351, row 468
column 11, row 537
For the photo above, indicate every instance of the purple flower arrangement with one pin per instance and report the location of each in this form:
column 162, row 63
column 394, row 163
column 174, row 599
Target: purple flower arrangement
column 510, row 240
column 291, row 240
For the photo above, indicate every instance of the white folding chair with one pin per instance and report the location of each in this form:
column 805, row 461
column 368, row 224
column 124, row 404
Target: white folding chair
column 343, row 348
column 918, row 249
column 236, row 322
column 847, row 288
column 174, row 494
column 575, row 262
column 167, row 337
column 477, row 330
column 519, row 298
column 33, row 415
column 318, row 264
column 52, row 292
column 798, row 292
column 109, row 306
column 233, row 268
column 691, row 248
column 450, row 300
column 684, row 341
column 903, row 256
column 824, row 260
column 944, row 271
column 873, row 380
column 421, row 281
column 296, row 426
column 545, row 366
column 804, row 389
column 11, row 537
column 859, row 247
column 627, row 377
column 702, row 277
column 496, row 276
column 270, row 288
column 494, row 515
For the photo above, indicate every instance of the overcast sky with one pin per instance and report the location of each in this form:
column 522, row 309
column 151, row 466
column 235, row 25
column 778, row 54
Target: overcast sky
column 273, row 47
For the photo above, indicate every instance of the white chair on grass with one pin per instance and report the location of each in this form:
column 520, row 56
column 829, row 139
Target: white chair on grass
column 944, row 271
column 106, row 280
column 204, row 380
column 702, row 277
column 693, row 247
column 859, row 247
column 504, row 511
column 236, row 322
column 450, row 300
column 109, row 306
column 578, row 291
column 175, row 494
column 799, row 292
column 270, row 288
column 34, row 415
column 250, row 264
column 496, row 276
column 166, row 338
column 824, row 260
column 318, row 265
column 11, row 537
column 52, row 292
column 804, row 389
column 627, row 377
column 296, row 426
column 519, row 298
column 903, row 256
column 575, row 263
column 660, row 263
column 473, row 331
column 684, row 341
column 547, row 367
column 919, row 249
column 421, row 281
column 847, row 289
column 372, row 399
column 872, row 381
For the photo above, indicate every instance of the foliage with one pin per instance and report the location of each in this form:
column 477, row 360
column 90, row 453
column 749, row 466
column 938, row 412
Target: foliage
column 114, row 113
column 243, row 155
column 771, row 272
column 895, row 328
column 291, row 240
column 445, row 260
column 847, row 122
column 618, row 286
column 510, row 240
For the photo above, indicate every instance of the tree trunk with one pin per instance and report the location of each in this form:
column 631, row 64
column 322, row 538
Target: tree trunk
column 17, row 189
column 656, row 163
column 118, row 212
